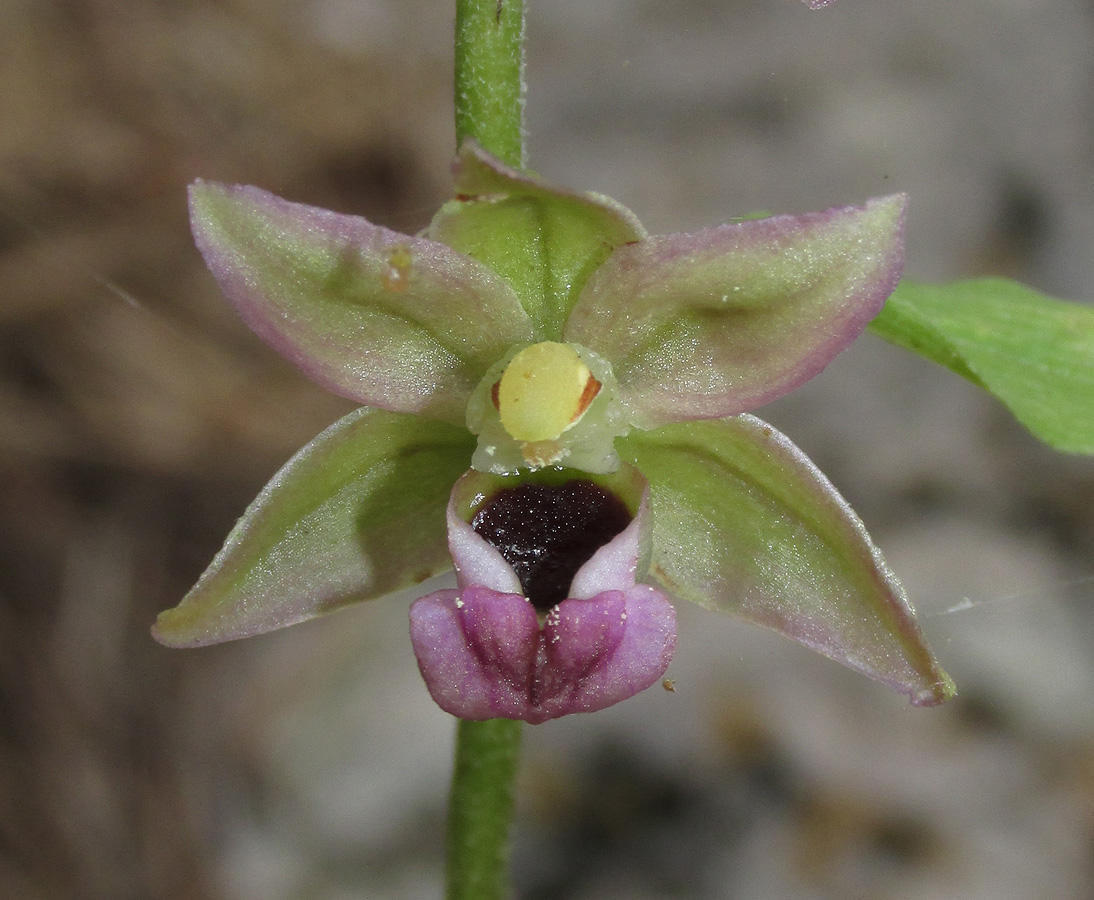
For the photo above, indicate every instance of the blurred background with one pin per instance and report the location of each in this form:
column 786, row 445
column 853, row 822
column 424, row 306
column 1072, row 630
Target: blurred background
column 138, row 417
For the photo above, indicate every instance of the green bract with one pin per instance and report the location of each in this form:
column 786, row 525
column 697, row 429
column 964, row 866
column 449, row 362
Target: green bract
column 675, row 330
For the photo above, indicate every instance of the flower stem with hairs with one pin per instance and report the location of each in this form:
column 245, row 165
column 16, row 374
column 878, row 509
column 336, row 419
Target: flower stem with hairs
column 489, row 101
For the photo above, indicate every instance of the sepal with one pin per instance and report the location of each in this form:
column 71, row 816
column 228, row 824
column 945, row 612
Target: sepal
column 745, row 524
column 354, row 515
column 545, row 241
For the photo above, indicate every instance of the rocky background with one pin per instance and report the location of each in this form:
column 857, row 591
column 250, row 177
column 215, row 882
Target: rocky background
column 138, row 417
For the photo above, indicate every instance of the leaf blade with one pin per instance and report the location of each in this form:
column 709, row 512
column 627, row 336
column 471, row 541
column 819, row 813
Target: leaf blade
column 1033, row 353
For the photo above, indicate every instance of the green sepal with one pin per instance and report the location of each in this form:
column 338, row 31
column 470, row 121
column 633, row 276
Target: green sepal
column 354, row 515
column 544, row 241
column 389, row 320
column 745, row 524
column 1033, row 353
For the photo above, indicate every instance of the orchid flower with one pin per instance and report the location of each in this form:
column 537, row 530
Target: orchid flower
column 557, row 404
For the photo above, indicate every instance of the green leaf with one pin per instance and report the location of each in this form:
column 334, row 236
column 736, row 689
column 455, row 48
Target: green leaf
column 745, row 524
column 386, row 319
column 544, row 241
column 1032, row 352
column 356, row 514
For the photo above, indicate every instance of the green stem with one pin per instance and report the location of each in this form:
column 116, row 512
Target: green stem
column 480, row 808
column 490, row 76
column 489, row 108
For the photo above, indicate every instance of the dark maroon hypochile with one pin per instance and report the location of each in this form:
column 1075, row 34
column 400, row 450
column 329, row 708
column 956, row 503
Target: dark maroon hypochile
column 548, row 532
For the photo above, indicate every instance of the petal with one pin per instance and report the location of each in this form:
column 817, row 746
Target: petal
column 483, row 654
column 544, row 240
column 718, row 322
column 614, row 566
column 626, row 557
column 604, row 650
column 476, row 650
column 476, row 561
column 389, row 320
column 354, row 515
column 744, row 523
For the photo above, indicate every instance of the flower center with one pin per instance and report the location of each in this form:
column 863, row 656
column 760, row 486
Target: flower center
column 548, row 404
column 544, row 390
column 548, row 532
